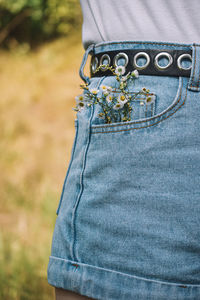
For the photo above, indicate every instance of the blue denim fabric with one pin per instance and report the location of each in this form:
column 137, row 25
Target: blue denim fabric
column 128, row 224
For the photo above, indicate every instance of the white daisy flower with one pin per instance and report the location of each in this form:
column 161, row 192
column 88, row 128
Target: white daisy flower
column 79, row 98
column 94, row 91
column 150, row 99
column 122, row 98
column 105, row 87
column 118, row 105
column 120, row 70
column 135, row 73
column 109, row 98
column 80, row 105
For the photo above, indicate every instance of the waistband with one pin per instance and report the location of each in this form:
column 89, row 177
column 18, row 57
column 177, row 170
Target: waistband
column 152, row 51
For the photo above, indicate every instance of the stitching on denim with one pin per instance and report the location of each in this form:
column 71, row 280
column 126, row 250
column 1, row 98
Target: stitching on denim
column 198, row 79
column 68, row 169
column 146, row 43
column 126, row 129
column 75, row 206
column 197, row 86
column 193, row 74
column 130, row 92
column 142, row 121
column 145, row 110
column 192, row 83
column 79, row 195
column 192, row 79
column 125, row 274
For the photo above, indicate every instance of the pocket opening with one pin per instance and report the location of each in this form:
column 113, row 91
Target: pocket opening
column 174, row 103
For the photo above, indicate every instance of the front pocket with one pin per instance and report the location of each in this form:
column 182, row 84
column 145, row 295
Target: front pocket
column 170, row 92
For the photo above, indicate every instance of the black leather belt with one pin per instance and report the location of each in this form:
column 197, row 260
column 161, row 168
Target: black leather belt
column 174, row 66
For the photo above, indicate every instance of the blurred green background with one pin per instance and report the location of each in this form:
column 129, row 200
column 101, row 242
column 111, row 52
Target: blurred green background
column 33, row 22
column 40, row 55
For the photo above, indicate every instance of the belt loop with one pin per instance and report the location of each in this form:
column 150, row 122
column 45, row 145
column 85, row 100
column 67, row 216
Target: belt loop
column 194, row 81
column 81, row 73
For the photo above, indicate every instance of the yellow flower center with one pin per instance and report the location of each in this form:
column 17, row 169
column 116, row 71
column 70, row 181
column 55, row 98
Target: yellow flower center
column 149, row 99
column 122, row 97
column 81, row 98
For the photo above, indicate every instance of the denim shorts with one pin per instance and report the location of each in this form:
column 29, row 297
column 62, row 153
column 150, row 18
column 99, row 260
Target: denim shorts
column 128, row 220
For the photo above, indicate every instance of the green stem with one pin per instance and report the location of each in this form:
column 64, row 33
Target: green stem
column 104, row 110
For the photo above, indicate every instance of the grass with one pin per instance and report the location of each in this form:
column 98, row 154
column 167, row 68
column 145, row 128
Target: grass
column 37, row 131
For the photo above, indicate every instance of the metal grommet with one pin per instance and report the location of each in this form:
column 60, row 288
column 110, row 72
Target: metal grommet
column 117, row 56
column 139, row 54
column 101, row 60
column 166, row 54
column 185, row 55
column 94, row 63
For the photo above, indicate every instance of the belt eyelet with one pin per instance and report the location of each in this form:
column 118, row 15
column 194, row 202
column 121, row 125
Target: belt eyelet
column 139, row 54
column 101, row 60
column 180, row 58
column 117, row 56
column 166, row 54
column 94, row 63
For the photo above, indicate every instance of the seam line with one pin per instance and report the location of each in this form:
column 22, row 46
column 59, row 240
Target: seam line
column 95, row 21
column 124, row 274
column 81, row 181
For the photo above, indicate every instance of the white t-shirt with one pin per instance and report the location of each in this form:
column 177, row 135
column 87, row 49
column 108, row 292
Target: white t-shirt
column 142, row 20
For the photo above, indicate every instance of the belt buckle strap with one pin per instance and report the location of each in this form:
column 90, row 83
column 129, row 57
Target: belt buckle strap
column 89, row 50
column 151, row 67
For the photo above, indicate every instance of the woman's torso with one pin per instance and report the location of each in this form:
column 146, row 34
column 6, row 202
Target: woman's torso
column 161, row 20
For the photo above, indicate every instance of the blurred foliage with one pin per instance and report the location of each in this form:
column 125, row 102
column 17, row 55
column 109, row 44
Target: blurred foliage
column 38, row 92
column 35, row 21
column 20, row 276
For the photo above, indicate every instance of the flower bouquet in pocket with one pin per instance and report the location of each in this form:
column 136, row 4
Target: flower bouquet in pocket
column 115, row 107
